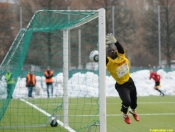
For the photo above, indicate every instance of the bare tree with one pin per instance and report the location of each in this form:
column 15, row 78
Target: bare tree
column 48, row 45
column 167, row 18
column 6, row 27
column 123, row 16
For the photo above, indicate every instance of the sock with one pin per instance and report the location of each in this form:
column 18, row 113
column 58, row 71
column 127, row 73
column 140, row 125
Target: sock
column 134, row 110
column 124, row 115
column 159, row 91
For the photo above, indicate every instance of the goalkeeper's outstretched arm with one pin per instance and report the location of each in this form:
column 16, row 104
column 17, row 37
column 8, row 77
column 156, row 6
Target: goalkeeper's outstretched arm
column 119, row 48
column 110, row 39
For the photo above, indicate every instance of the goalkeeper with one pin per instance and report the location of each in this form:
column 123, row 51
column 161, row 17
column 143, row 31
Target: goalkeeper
column 119, row 68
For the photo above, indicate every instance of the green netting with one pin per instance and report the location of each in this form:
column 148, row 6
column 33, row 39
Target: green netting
column 9, row 62
column 40, row 45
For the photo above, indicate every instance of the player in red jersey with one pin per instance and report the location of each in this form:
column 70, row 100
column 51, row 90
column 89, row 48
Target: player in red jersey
column 156, row 78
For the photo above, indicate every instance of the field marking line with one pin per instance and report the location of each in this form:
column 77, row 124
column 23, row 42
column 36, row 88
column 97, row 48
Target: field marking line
column 154, row 114
column 156, row 102
column 47, row 114
column 114, row 103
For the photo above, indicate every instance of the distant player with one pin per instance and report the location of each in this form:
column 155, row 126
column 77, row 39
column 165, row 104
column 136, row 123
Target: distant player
column 30, row 82
column 156, row 78
column 10, row 83
column 49, row 80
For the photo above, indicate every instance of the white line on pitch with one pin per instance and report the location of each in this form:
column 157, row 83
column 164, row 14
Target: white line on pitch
column 156, row 102
column 113, row 103
column 47, row 114
column 154, row 114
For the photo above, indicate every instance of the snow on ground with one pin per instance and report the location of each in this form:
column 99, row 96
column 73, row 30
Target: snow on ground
column 86, row 85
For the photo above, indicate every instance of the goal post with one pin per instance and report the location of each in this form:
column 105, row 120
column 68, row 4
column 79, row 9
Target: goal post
column 49, row 40
column 102, row 68
column 65, row 73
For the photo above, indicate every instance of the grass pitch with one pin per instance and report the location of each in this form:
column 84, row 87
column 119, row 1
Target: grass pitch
column 157, row 114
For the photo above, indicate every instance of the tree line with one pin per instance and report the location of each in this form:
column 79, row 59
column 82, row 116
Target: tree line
column 134, row 23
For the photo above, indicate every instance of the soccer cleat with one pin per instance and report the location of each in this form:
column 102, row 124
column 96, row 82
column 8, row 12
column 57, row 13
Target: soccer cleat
column 127, row 119
column 162, row 94
column 135, row 115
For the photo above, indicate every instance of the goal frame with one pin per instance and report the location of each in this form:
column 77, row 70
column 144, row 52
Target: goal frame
column 102, row 69
column 99, row 14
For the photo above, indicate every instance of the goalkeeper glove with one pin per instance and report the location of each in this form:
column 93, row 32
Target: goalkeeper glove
column 110, row 39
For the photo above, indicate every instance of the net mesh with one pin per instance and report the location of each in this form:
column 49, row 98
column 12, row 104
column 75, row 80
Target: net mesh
column 37, row 46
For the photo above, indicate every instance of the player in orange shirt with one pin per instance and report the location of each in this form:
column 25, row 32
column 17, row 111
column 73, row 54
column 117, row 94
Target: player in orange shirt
column 49, row 80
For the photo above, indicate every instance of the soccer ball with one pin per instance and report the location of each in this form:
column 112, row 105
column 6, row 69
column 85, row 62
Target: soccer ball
column 53, row 122
column 94, row 56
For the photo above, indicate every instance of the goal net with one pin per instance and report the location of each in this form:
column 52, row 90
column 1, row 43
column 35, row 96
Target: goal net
column 62, row 40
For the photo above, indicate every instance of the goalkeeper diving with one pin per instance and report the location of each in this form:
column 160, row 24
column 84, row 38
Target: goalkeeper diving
column 119, row 68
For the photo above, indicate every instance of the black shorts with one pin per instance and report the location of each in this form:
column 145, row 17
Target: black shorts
column 157, row 83
column 128, row 95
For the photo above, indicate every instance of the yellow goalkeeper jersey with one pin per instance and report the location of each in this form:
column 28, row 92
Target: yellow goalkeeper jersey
column 119, row 68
